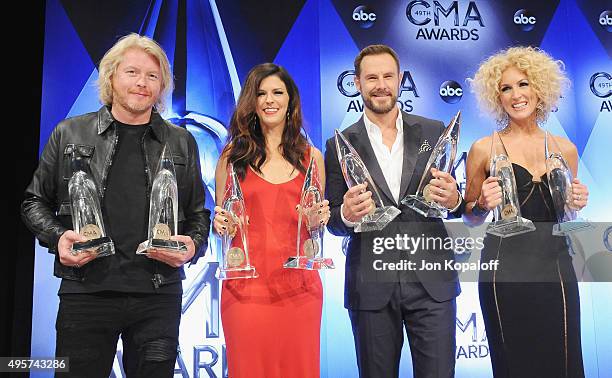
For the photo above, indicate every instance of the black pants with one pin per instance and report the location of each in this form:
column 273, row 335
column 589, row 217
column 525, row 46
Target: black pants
column 430, row 327
column 88, row 328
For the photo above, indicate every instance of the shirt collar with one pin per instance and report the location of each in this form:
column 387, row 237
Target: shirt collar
column 372, row 128
column 105, row 119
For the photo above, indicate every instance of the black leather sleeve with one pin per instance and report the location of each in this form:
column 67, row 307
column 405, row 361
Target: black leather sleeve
column 197, row 217
column 38, row 210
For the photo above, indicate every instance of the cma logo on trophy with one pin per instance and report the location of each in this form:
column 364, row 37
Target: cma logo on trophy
column 428, row 16
column 450, row 92
column 601, row 86
column 346, row 86
column 364, row 16
column 605, row 20
column 524, row 19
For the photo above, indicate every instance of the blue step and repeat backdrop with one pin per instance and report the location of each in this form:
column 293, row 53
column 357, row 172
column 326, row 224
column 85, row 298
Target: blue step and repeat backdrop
column 212, row 45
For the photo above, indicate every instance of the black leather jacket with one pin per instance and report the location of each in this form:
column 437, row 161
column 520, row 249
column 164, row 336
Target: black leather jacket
column 92, row 136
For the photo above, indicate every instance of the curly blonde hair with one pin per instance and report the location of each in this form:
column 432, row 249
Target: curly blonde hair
column 113, row 57
column 546, row 77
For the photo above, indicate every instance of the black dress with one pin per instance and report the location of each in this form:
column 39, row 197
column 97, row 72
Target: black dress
column 530, row 305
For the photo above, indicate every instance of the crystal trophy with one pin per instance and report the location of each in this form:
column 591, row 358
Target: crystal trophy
column 163, row 208
column 86, row 214
column 560, row 184
column 310, row 230
column 355, row 173
column 236, row 262
column 506, row 215
column 442, row 158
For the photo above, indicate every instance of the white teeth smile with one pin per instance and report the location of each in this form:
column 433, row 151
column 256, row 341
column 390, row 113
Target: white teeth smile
column 270, row 110
column 520, row 105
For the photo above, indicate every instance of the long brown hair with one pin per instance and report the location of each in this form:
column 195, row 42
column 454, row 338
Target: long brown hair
column 246, row 143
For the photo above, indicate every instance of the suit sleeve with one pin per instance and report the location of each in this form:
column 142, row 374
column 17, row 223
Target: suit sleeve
column 335, row 187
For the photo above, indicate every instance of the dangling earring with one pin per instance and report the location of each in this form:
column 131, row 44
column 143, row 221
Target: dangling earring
column 254, row 122
column 541, row 116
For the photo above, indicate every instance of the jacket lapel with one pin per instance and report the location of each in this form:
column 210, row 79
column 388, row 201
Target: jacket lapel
column 360, row 141
column 412, row 142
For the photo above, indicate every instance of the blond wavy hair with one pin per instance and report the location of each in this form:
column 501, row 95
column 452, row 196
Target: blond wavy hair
column 113, row 57
column 546, row 77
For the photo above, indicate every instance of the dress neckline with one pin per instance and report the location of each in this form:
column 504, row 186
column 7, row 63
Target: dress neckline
column 529, row 173
column 272, row 183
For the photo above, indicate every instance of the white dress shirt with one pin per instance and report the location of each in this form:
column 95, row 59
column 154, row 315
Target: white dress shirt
column 390, row 161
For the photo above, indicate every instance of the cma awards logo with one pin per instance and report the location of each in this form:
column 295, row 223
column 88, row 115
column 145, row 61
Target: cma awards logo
column 346, row 86
column 605, row 20
column 476, row 345
column 364, row 16
column 451, row 92
column 429, row 15
column 601, row 86
column 211, row 357
column 524, row 19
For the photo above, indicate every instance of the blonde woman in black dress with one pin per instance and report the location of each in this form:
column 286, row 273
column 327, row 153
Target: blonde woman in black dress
column 530, row 304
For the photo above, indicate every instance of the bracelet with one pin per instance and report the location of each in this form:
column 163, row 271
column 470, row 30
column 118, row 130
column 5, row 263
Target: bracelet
column 479, row 211
column 459, row 200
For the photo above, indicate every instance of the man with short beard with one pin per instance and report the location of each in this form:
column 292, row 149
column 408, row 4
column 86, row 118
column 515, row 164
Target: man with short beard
column 395, row 147
column 137, row 297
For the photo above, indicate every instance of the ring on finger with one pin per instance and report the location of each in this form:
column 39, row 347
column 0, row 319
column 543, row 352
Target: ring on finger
column 579, row 197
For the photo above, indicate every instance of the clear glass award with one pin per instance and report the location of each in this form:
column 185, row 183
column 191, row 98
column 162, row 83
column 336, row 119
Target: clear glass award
column 507, row 215
column 163, row 208
column 442, row 158
column 355, row 173
column 560, row 184
column 87, row 216
column 310, row 248
column 236, row 262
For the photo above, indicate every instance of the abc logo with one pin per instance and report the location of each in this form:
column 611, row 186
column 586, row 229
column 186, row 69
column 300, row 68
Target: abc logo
column 364, row 16
column 524, row 19
column 451, row 92
column 605, row 20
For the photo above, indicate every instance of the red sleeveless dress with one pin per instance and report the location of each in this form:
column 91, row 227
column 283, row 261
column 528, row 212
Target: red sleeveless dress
column 272, row 323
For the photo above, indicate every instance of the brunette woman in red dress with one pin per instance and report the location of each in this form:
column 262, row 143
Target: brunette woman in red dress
column 271, row 323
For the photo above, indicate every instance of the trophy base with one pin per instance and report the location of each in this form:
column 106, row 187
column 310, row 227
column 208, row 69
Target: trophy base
column 103, row 246
column 239, row 273
column 309, row 263
column 426, row 209
column 172, row 245
column 569, row 227
column 377, row 221
column 510, row 227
